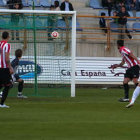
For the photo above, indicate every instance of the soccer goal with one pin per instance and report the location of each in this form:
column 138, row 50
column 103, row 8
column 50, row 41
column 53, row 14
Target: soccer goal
column 48, row 62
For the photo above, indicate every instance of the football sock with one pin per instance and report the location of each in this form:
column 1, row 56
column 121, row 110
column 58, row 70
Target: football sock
column 5, row 94
column 126, row 90
column 20, row 87
column 1, row 93
column 135, row 94
column 19, row 93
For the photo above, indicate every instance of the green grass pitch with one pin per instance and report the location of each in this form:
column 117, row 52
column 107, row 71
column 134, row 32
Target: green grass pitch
column 94, row 114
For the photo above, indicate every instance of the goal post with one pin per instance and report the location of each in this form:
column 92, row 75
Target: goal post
column 33, row 53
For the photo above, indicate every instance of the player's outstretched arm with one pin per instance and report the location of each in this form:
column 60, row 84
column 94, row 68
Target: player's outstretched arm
column 122, row 63
column 118, row 65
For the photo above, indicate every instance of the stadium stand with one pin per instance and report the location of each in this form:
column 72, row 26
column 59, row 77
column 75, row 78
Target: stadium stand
column 83, row 23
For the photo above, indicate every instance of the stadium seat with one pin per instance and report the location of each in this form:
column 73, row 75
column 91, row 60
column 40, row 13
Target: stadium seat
column 39, row 25
column 2, row 23
column 45, row 3
column 46, row 24
column 36, row 4
column 138, row 15
column 129, row 28
column 95, row 4
column 131, row 15
column 6, row 15
column 26, row 24
column 61, row 24
column 136, row 27
column 25, row 4
column 5, row 2
column 78, row 28
column 113, row 27
column 2, row 3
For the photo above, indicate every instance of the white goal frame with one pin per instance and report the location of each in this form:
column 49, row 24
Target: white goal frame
column 73, row 37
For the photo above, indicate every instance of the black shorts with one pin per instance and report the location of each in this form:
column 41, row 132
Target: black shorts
column 132, row 72
column 15, row 77
column 5, row 77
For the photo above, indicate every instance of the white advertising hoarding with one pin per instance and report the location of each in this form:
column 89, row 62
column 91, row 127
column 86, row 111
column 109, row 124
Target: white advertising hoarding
column 89, row 70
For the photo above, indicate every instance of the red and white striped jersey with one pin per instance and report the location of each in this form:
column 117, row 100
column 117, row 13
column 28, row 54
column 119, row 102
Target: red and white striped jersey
column 128, row 59
column 4, row 47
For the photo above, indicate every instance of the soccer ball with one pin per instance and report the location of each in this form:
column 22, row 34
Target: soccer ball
column 54, row 34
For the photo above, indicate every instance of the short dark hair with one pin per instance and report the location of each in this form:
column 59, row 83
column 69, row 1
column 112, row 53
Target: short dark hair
column 18, row 53
column 5, row 35
column 103, row 14
column 52, row 6
column 120, row 42
column 56, row 3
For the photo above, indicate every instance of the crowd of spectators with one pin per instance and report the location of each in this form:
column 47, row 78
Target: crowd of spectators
column 52, row 19
column 122, row 7
column 117, row 4
column 64, row 6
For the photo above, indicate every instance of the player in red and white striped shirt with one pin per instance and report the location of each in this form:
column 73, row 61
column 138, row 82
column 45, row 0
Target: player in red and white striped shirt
column 5, row 68
column 132, row 73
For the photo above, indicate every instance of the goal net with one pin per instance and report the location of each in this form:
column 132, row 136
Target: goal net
column 48, row 63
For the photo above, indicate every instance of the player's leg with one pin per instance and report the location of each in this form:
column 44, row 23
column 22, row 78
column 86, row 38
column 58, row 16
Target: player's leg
column 128, row 76
column 136, row 92
column 4, row 96
column 126, row 90
column 126, row 87
column 135, row 74
column 20, row 88
column 11, row 86
column 6, row 79
column 135, row 81
column 134, row 96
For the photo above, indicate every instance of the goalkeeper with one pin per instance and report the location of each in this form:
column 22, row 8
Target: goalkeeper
column 15, row 77
column 132, row 73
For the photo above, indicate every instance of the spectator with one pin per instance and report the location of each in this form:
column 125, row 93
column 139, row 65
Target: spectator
column 53, row 2
column 15, row 17
column 133, row 4
column 56, row 5
column 109, row 4
column 102, row 23
column 120, row 4
column 66, row 6
column 51, row 23
column 122, row 23
column 11, row 4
